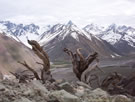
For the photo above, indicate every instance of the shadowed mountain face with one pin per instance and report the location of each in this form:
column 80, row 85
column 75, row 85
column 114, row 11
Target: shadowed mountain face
column 70, row 36
column 12, row 51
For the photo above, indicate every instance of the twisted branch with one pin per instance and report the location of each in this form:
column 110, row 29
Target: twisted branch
column 29, row 68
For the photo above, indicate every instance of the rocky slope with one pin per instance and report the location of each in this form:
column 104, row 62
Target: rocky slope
column 34, row 91
column 12, row 51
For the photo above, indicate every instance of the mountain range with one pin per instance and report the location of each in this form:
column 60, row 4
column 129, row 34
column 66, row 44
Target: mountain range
column 112, row 41
column 21, row 32
column 121, row 37
column 70, row 36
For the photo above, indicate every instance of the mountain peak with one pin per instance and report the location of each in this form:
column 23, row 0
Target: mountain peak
column 91, row 26
column 70, row 23
column 112, row 27
column 93, row 29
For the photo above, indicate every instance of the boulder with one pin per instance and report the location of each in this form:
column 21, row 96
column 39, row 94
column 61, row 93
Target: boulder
column 23, row 99
column 67, row 87
column 37, row 85
column 39, row 90
column 63, row 96
column 100, row 92
column 121, row 98
column 2, row 87
column 97, row 95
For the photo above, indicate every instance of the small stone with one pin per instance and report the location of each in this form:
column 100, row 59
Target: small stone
column 2, row 87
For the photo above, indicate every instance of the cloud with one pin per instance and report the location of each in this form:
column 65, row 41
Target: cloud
column 80, row 11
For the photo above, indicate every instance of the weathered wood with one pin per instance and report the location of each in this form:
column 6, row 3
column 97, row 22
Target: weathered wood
column 80, row 63
column 29, row 68
column 38, row 50
column 45, row 74
column 115, row 83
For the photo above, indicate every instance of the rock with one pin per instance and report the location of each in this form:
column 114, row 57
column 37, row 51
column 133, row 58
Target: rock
column 23, row 99
column 100, row 92
column 67, row 87
column 121, row 98
column 83, row 84
column 80, row 91
column 63, row 96
column 2, row 87
column 4, row 100
column 97, row 95
column 28, row 92
column 39, row 90
column 35, row 84
column 35, row 91
column 59, row 81
column 1, row 76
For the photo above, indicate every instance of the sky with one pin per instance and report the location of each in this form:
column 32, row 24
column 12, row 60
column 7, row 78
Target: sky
column 81, row 12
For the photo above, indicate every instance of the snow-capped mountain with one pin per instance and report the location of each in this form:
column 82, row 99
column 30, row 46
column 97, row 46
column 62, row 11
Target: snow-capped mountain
column 94, row 29
column 114, row 38
column 62, row 30
column 21, row 32
column 70, row 36
column 121, row 37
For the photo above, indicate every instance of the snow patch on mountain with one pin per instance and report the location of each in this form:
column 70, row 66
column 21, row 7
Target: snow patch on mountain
column 94, row 29
column 112, row 37
column 130, row 40
column 75, row 36
column 114, row 34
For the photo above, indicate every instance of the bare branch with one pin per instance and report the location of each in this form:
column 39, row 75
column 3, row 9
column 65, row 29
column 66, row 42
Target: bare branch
column 69, row 52
column 29, row 68
column 40, row 63
column 24, row 71
column 80, row 54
